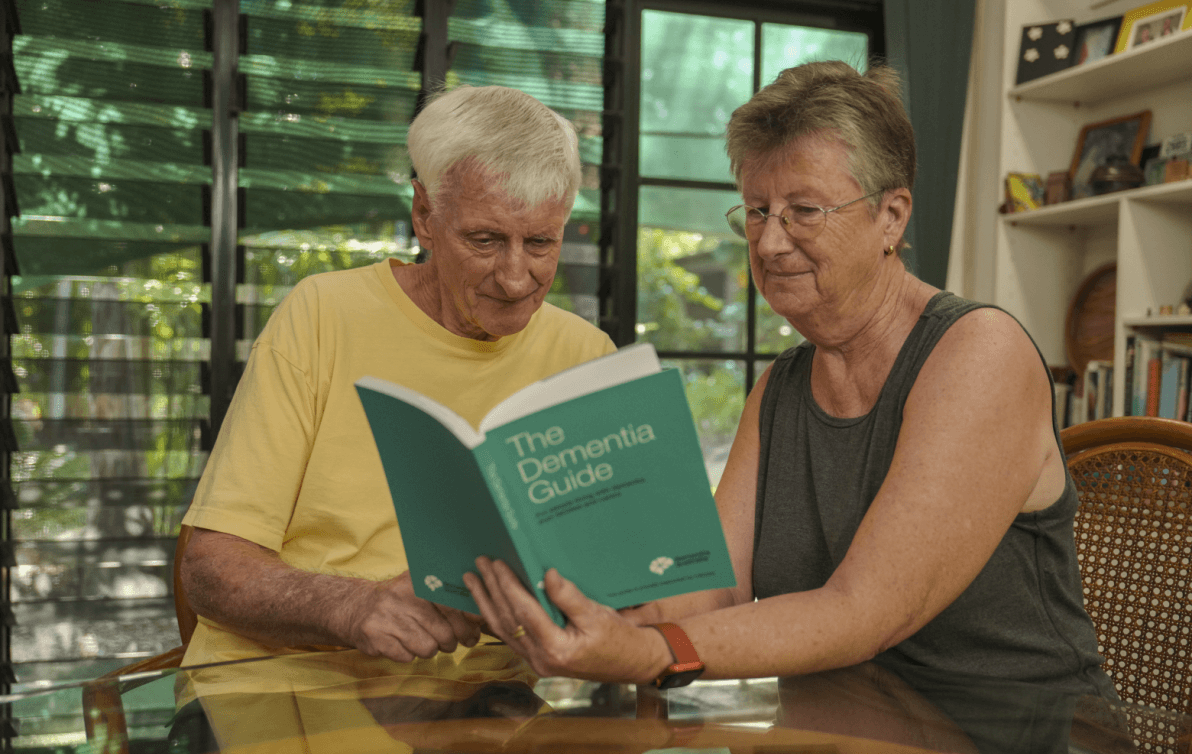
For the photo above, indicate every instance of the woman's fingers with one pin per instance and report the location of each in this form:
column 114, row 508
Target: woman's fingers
column 579, row 610
column 493, row 619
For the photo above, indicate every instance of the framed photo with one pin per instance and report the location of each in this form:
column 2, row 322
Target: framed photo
column 1152, row 21
column 1115, row 140
column 1095, row 40
column 1045, row 48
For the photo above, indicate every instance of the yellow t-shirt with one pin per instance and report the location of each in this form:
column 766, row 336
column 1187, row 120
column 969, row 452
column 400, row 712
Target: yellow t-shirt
column 295, row 468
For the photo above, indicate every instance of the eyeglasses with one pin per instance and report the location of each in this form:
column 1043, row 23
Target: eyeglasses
column 801, row 221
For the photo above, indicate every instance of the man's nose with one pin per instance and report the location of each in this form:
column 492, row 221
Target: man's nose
column 514, row 273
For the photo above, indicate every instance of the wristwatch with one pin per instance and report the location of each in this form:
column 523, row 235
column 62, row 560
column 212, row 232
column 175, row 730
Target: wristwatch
column 687, row 665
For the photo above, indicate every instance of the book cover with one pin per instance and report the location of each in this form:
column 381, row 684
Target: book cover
column 596, row 471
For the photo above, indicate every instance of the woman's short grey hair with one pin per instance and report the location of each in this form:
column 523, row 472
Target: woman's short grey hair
column 530, row 149
column 862, row 111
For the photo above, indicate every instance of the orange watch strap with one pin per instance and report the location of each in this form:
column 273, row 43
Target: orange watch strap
column 680, row 646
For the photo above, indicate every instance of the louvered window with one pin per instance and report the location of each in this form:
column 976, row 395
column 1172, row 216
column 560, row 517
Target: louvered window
column 111, row 181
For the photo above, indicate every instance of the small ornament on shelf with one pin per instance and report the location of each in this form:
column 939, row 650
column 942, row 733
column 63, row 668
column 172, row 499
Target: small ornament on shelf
column 1059, row 187
column 1024, row 192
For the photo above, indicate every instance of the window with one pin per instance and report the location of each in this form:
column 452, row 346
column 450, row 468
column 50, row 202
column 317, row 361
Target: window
column 695, row 298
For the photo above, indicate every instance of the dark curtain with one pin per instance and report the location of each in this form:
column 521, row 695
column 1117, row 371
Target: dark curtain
column 929, row 42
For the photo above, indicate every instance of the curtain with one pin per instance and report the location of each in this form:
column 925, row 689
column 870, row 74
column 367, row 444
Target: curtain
column 930, row 42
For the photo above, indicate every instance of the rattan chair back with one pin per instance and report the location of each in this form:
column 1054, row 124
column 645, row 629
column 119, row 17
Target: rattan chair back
column 1134, row 543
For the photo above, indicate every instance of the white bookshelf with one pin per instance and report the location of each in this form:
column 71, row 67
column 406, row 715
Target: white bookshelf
column 1041, row 257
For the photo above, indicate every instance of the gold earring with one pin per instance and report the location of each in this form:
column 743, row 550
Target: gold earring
column 890, row 249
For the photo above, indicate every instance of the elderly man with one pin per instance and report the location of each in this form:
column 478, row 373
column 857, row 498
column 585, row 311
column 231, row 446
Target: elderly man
column 296, row 543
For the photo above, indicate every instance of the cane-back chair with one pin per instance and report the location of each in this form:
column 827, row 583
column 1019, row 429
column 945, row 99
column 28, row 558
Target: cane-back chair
column 1134, row 544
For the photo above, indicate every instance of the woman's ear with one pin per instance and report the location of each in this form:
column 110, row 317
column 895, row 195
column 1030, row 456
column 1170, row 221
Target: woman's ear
column 896, row 215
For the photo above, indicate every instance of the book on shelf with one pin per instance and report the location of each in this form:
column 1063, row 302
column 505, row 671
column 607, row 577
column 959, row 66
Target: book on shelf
column 1092, row 390
column 596, row 471
column 1128, row 380
column 1063, row 394
column 1162, row 369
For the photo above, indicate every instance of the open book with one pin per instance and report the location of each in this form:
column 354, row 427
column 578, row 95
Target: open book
column 595, row 471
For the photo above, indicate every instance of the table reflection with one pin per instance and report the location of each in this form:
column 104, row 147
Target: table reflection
column 487, row 701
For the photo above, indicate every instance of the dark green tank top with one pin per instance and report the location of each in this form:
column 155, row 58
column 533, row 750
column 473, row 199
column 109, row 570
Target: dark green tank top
column 1023, row 616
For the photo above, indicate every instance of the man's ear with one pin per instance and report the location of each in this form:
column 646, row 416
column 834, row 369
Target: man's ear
column 897, row 214
column 420, row 212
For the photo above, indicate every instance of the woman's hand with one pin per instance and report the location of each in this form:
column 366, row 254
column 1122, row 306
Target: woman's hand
column 597, row 644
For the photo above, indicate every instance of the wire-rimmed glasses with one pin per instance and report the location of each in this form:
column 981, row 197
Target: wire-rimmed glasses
column 801, row 221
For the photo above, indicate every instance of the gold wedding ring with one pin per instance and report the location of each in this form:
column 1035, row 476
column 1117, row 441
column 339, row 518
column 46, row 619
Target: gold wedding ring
column 519, row 632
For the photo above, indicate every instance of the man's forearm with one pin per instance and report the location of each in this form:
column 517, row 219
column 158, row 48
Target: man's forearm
column 249, row 588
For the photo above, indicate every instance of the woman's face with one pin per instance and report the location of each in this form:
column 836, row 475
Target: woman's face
column 797, row 276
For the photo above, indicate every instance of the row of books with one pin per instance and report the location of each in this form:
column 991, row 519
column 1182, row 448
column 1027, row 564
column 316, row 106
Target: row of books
column 1158, row 370
column 1158, row 382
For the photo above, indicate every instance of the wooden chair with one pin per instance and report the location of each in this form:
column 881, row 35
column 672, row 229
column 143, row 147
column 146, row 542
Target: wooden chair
column 103, row 709
column 1134, row 543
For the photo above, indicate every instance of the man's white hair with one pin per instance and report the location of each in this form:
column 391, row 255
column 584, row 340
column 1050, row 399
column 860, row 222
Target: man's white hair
column 531, row 150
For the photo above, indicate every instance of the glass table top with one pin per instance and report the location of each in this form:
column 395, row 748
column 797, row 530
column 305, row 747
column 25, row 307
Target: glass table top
column 489, row 702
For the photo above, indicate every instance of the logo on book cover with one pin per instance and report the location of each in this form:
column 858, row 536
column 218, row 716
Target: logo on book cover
column 659, row 565
column 432, row 582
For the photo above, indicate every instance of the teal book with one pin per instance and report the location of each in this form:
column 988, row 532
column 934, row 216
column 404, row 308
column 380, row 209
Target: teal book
column 596, row 471
column 1169, row 384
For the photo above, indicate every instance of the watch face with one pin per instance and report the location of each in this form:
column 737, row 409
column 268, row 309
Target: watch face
column 682, row 678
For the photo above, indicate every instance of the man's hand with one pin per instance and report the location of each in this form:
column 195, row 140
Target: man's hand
column 387, row 619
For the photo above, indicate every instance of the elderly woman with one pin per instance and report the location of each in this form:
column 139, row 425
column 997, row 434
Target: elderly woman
column 896, row 490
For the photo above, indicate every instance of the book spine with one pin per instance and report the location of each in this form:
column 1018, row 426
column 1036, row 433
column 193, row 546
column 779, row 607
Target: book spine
column 1181, row 394
column 1153, row 381
column 1092, row 389
column 1061, row 404
column 1128, row 379
column 530, row 568
column 1145, row 348
column 1168, row 384
column 1107, row 390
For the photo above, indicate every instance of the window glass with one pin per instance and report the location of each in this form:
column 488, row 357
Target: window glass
column 715, row 391
column 692, row 275
column 110, row 347
column 695, row 71
column 554, row 51
column 330, row 93
column 784, row 46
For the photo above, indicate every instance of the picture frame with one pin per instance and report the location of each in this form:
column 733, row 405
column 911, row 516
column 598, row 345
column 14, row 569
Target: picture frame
column 1152, row 21
column 1045, row 49
column 1096, row 39
column 1116, row 139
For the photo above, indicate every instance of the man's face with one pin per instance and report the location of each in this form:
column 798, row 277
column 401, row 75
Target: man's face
column 494, row 259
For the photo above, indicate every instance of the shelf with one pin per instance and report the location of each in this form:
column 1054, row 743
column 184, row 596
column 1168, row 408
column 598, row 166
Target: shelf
column 1151, row 66
column 1101, row 210
column 1093, row 211
column 1176, row 192
column 1160, row 320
